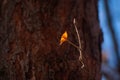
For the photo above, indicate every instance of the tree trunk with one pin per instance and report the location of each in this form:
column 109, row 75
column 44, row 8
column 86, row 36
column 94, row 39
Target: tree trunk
column 30, row 32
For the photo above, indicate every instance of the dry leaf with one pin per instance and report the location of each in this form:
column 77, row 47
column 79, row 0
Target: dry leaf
column 63, row 37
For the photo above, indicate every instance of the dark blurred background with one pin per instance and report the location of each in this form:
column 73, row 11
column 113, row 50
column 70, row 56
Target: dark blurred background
column 109, row 17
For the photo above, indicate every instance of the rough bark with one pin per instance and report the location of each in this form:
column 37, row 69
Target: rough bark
column 30, row 31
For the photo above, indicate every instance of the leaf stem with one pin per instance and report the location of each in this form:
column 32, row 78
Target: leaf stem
column 72, row 44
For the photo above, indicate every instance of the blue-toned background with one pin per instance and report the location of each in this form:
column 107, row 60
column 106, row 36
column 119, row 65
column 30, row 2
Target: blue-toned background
column 108, row 48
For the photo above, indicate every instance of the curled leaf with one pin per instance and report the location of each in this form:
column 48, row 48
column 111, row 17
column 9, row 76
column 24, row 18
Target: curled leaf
column 63, row 37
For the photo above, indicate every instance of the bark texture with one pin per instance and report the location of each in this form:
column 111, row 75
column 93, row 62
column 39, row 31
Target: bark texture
column 30, row 31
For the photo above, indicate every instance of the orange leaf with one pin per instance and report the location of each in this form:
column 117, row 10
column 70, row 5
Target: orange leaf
column 63, row 37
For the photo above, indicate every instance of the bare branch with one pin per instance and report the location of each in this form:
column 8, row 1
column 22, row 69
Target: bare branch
column 80, row 49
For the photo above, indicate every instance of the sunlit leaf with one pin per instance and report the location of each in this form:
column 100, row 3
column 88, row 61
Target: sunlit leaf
column 63, row 37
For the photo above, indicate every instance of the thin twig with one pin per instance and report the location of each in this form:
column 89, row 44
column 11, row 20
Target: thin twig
column 72, row 44
column 80, row 49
